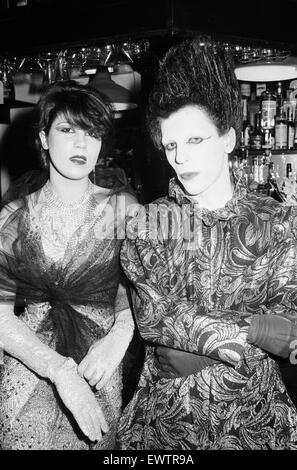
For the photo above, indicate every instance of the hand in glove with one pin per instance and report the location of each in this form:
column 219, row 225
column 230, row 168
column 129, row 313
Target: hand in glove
column 176, row 363
column 80, row 400
column 105, row 355
column 273, row 333
column 20, row 342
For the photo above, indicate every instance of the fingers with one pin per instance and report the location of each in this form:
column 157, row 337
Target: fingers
column 96, row 425
column 87, row 425
column 92, row 422
column 160, row 350
column 103, row 380
column 162, row 360
column 102, row 420
column 92, row 373
column 163, row 354
column 87, row 367
column 95, row 377
column 82, row 367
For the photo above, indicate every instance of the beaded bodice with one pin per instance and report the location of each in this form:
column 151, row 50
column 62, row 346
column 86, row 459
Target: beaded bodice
column 60, row 221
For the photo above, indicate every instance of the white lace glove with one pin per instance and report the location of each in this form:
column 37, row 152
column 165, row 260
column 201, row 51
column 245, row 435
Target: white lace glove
column 20, row 341
column 80, row 400
column 105, row 355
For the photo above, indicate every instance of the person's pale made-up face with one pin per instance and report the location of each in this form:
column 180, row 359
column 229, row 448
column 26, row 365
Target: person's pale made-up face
column 73, row 151
column 195, row 150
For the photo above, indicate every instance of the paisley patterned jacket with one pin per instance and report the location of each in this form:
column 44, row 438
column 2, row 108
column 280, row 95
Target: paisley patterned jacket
column 199, row 276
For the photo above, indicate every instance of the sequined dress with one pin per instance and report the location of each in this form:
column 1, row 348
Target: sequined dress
column 68, row 272
column 199, row 275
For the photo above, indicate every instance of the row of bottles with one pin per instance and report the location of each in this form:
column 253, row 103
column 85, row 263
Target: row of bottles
column 268, row 175
column 269, row 118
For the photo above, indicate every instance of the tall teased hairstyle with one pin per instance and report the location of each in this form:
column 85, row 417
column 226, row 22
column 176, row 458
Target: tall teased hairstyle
column 196, row 72
column 81, row 105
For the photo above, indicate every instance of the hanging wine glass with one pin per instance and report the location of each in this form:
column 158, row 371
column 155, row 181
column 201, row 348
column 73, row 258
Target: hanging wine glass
column 14, row 63
column 48, row 61
column 30, row 64
column 28, row 80
column 138, row 48
column 106, row 52
column 119, row 55
column 74, row 62
column 91, row 59
column 61, row 66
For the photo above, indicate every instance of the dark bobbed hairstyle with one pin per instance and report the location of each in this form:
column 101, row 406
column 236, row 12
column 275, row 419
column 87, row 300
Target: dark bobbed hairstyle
column 200, row 73
column 81, row 106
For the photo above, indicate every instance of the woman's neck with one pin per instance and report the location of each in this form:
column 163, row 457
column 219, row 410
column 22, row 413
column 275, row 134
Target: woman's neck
column 67, row 190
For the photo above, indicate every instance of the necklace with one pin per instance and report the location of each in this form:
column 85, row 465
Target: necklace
column 53, row 199
column 60, row 221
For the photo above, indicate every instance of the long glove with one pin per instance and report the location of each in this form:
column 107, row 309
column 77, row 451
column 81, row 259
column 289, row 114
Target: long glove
column 18, row 340
column 273, row 333
column 80, row 400
column 105, row 355
column 176, row 363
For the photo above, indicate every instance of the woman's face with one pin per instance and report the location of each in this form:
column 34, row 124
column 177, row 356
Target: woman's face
column 195, row 150
column 73, row 151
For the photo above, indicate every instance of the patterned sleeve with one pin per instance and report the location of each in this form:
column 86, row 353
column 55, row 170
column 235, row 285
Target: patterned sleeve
column 172, row 320
column 282, row 283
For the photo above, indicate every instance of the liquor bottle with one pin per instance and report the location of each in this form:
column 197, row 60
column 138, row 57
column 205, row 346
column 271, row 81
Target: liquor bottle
column 273, row 189
column 295, row 130
column 267, row 140
column 246, row 134
column 256, row 136
column 281, row 130
column 245, row 89
column 290, row 130
column 242, row 150
column 289, row 170
column 254, row 107
column 279, row 97
column 268, row 110
column 263, row 174
column 260, row 88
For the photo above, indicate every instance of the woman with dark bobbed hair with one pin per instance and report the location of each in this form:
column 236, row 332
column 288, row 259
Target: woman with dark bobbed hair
column 59, row 254
column 214, row 271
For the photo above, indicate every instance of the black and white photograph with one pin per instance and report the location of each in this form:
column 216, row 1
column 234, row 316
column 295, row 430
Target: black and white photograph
column 148, row 229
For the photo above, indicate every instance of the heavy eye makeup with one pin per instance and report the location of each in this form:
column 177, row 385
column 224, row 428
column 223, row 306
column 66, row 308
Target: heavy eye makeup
column 197, row 140
column 192, row 140
column 170, row 146
column 67, row 128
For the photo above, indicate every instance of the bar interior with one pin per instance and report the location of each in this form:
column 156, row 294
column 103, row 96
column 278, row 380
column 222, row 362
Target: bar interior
column 117, row 45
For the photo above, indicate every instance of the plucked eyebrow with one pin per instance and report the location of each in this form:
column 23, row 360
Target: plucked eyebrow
column 164, row 142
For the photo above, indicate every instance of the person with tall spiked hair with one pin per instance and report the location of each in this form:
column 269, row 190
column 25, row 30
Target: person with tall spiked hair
column 214, row 271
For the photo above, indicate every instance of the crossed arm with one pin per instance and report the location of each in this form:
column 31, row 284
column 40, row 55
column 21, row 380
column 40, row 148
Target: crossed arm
column 225, row 335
